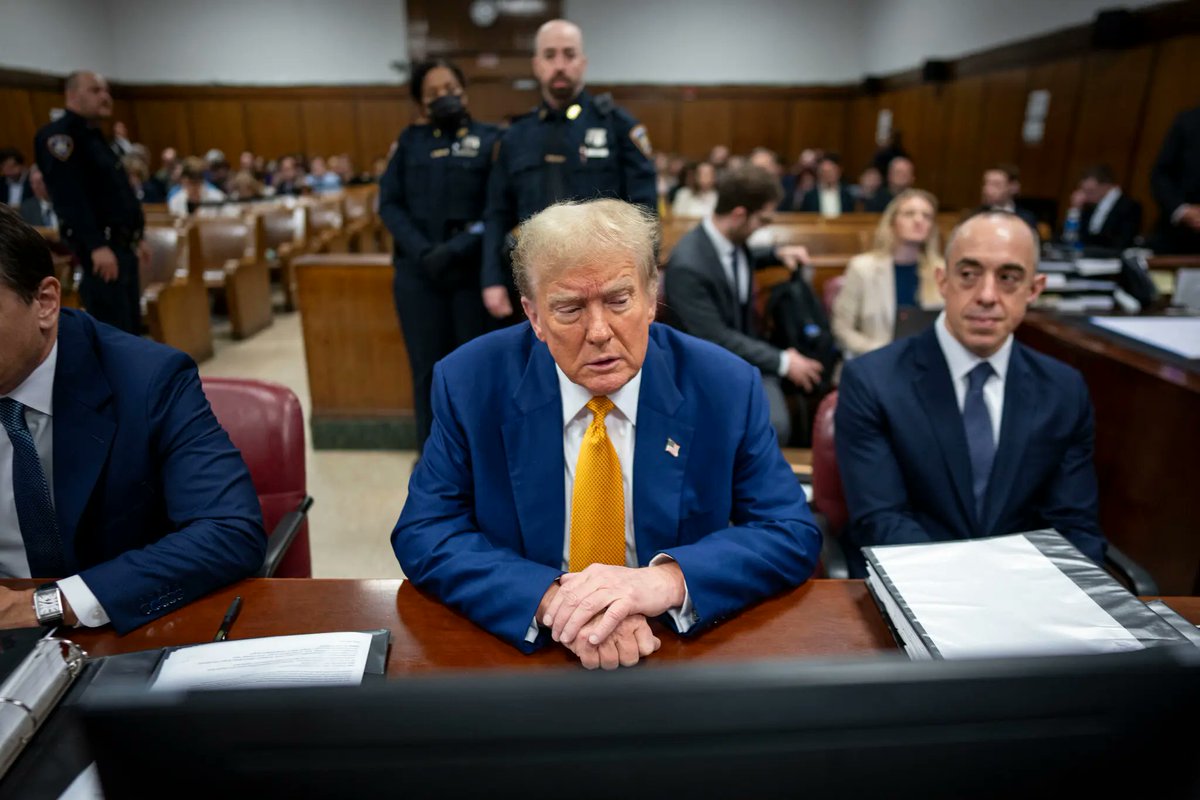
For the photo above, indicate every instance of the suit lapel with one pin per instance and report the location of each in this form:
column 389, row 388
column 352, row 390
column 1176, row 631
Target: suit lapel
column 533, row 446
column 84, row 429
column 1015, row 426
column 658, row 475
column 716, row 268
column 935, row 395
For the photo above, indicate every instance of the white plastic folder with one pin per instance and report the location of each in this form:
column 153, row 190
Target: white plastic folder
column 1019, row 595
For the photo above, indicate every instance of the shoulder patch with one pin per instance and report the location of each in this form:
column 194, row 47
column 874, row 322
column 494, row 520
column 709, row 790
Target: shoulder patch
column 60, row 146
column 641, row 140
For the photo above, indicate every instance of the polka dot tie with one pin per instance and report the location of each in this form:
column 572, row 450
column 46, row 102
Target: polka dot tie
column 598, row 500
column 35, row 511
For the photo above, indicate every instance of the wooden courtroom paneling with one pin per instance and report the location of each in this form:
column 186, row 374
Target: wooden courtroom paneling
column 379, row 123
column 16, row 121
column 1173, row 88
column 660, row 117
column 328, row 127
column 818, row 123
column 931, row 133
column 1110, row 113
column 1005, row 95
column 960, row 184
column 704, row 123
column 273, row 127
column 164, row 123
column 220, row 124
column 1043, row 164
column 500, row 102
column 861, row 114
column 43, row 103
column 759, row 122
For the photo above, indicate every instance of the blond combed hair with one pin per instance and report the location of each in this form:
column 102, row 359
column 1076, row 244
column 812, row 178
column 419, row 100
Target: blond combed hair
column 580, row 232
column 930, row 256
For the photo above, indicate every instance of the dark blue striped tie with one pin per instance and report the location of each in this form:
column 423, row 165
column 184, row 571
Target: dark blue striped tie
column 977, row 423
column 35, row 510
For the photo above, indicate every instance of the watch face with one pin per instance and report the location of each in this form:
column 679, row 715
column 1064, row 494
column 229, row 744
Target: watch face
column 47, row 605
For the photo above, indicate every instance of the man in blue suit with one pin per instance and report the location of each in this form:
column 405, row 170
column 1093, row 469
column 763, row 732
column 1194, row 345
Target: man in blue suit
column 115, row 476
column 962, row 432
column 590, row 469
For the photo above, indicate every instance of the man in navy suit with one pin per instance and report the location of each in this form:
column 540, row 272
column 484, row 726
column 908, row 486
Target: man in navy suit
column 703, row 515
column 830, row 197
column 962, row 432
column 1001, row 185
column 115, row 477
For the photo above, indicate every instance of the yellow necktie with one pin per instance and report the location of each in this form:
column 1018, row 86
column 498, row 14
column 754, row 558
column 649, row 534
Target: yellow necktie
column 598, row 500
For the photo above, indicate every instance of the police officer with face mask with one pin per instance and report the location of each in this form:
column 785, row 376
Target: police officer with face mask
column 431, row 198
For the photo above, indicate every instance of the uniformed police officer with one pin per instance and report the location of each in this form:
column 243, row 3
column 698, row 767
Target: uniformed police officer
column 98, row 213
column 574, row 146
column 431, row 198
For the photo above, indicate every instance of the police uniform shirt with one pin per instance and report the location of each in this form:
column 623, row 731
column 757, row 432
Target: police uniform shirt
column 591, row 148
column 96, row 206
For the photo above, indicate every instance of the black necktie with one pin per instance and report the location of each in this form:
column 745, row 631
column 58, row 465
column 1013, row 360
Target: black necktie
column 977, row 424
column 31, row 491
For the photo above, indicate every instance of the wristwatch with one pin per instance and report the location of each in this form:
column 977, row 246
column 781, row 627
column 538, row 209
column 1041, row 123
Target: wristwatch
column 48, row 605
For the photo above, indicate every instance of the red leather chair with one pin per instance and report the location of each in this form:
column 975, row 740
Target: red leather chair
column 266, row 424
column 828, row 501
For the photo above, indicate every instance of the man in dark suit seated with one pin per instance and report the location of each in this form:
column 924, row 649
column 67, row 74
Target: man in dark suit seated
column 1108, row 218
column 15, row 177
column 1001, row 185
column 1176, row 184
column 709, row 280
column 36, row 209
column 115, row 477
column 901, row 175
column 962, row 432
column 588, row 469
column 830, row 197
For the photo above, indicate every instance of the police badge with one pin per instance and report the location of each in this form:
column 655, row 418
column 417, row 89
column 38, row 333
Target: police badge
column 596, row 137
column 60, row 146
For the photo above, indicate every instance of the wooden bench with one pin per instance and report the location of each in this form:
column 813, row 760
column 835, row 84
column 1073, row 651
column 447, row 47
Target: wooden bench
column 224, row 251
column 281, row 236
column 360, row 220
column 326, row 225
column 174, row 298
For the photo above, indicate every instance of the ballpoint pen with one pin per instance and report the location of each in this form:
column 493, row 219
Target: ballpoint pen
column 230, row 616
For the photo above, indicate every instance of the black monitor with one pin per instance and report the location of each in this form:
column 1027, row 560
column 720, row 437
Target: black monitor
column 1089, row 726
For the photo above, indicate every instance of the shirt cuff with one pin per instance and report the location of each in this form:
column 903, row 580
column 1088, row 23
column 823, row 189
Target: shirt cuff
column 1178, row 213
column 85, row 605
column 684, row 616
column 782, row 369
column 532, row 634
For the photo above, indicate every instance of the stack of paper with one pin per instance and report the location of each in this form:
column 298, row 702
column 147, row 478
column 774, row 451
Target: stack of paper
column 1025, row 594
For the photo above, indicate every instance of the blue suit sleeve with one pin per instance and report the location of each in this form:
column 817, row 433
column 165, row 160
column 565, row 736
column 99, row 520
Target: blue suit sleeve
column 872, row 481
column 393, row 206
column 773, row 544
column 499, row 217
column 216, row 534
column 1071, row 496
column 441, row 548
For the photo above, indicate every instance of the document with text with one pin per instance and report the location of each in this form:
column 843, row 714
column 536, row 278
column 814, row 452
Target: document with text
column 313, row 659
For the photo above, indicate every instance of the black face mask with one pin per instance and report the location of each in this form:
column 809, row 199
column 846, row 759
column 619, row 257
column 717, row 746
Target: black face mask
column 448, row 111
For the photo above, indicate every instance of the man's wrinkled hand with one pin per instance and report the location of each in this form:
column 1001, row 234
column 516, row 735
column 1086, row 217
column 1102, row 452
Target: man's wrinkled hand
column 630, row 642
column 604, row 595
column 104, row 264
column 792, row 256
column 803, row 371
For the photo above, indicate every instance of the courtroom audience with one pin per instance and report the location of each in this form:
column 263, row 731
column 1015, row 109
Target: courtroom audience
column 320, row 178
column 1001, row 185
column 718, row 156
column 139, row 178
column 892, row 148
column 1108, row 218
column 830, row 197
column 245, row 186
column 217, row 170
column 699, row 194
column 901, row 176
column 164, row 179
column 16, row 177
column 870, row 181
column 194, row 190
column 37, row 209
column 898, row 272
column 120, row 142
column 962, row 432
column 287, row 178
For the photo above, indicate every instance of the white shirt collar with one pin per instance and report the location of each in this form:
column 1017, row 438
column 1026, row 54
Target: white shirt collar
column 961, row 361
column 37, row 391
column 724, row 246
column 575, row 398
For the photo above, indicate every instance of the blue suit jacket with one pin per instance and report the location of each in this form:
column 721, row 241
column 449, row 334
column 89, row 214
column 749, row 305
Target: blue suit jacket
column 902, row 451
column 483, row 525
column 155, row 505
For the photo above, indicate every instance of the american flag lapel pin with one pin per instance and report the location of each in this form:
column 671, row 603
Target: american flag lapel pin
column 673, row 448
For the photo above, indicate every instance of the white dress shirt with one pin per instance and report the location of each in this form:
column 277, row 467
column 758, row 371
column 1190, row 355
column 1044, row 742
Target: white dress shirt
column 48, row 215
column 1100, row 213
column 16, row 190
column 36, row 393
column 831, row 201
column 961, row 361
column 620, row 424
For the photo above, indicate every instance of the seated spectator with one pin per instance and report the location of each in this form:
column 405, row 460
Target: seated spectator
column 120, row 143
column 1108, row 218
column 962, row 432
column 830, row 197
column 708, row 280
column 194, row 190
column 37, row 209
column 898, row 272
column 287, row 179
column 152, row 507
column 139, row 178
column 664, row 181
column 320, row 179
column 244, row 186
column 869, row 184
column 891, row 149
column 537, row 512
column 16, row 177
column 718, row 156
column 699, row 196
column 1001, row 185
column 164, row 179
column 901, row 175
column 677, row 165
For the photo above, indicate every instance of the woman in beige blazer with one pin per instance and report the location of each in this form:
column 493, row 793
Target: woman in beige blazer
column 864, row 313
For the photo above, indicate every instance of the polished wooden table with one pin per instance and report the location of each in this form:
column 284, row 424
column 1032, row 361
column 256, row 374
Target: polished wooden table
column 823, row 618
column 1147, row 405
